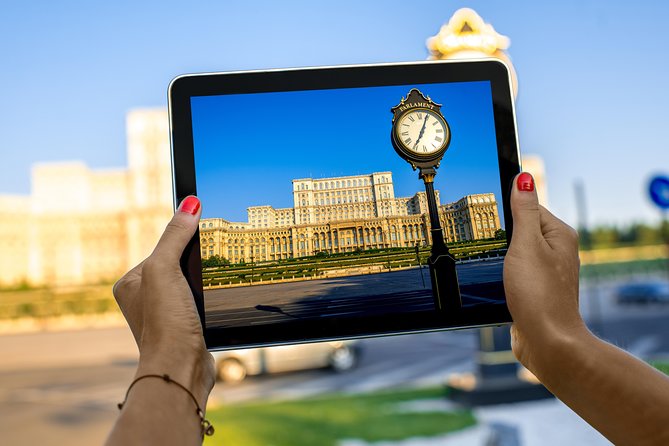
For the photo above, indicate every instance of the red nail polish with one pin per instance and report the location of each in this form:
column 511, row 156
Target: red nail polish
column 190, row 205
column 525, row 182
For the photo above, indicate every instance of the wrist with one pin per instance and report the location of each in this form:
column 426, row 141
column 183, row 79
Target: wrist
column 192, row 369
column 558, row 351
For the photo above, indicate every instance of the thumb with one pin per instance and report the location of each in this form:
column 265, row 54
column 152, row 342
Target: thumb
column 179, row 230
column 525, row 208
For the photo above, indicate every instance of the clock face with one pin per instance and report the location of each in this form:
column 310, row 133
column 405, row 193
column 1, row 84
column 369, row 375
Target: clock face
column 422, row 131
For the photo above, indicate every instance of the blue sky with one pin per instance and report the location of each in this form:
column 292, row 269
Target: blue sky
column 248, row 148
column 593, row 98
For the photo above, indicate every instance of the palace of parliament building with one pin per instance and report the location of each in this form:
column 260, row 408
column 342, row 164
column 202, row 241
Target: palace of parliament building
column 345, row 214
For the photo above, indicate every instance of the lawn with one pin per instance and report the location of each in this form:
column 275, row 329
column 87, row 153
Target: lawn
column 326, row 420
column 47, row 302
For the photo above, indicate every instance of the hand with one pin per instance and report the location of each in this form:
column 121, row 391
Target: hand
column 422, row 130
column 540, row 277
column 159, row 307
column 621, row 396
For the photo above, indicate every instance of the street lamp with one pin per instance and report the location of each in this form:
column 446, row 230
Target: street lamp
column 252, row 265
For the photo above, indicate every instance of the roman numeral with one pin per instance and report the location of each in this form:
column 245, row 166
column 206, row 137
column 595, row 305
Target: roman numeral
column 424, row 148
column 440, row 130
column 405, row 133
column 435, row 122
column 410, row 118
column 438, row 138
column 407, row 141
column 419, row 116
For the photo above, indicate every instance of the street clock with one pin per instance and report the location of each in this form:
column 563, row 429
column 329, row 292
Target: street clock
column 419, row 134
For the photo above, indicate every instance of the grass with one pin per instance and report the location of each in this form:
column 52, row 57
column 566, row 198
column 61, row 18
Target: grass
column 45, row 302
column 314, row 266
column 324, row 421
column 623, row 269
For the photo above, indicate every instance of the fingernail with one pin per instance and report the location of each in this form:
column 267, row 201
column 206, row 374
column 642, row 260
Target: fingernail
column 190, row 205
column 525, row 182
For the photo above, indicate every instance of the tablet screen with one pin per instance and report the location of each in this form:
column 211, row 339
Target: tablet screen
column 311, row 217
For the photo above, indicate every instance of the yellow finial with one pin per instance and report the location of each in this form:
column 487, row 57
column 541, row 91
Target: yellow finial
column 466, row 31
column 467, row 36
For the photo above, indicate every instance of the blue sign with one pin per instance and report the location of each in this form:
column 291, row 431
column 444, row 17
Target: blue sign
column 659, row 191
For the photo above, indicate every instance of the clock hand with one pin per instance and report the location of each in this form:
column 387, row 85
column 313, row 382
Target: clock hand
column 422, row 130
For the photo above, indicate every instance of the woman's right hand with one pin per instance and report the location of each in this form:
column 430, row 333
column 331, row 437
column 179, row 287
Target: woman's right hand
column 540, row 277
column 619, row 395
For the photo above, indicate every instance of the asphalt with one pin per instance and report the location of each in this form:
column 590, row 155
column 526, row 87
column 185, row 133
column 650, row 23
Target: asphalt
column 364, row 295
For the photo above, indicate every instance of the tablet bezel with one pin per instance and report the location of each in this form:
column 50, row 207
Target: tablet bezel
column 184, row 87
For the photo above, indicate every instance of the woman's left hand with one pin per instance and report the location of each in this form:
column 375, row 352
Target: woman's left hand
column 157, row 302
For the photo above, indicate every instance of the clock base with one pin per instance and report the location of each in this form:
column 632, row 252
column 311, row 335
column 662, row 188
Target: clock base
column 445, row 286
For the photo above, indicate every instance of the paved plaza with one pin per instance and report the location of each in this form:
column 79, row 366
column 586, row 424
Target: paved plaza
column 393, row 292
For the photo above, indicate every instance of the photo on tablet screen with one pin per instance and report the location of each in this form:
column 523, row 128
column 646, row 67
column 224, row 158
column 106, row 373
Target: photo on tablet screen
column 310, row 213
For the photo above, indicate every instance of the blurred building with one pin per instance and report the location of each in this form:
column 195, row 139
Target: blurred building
column 345, row 214
column 467, row 36
column 82, row 226
column 534, row 164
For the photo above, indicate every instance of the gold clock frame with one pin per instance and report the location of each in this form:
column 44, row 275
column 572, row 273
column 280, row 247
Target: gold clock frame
column 414, row 101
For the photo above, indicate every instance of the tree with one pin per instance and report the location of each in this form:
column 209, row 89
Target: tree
column 214, row 261
column 500, row 234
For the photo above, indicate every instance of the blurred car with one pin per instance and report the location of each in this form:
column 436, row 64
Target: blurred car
column 643, row 292
column 233, row 366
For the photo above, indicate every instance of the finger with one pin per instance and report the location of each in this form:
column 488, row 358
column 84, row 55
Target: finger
column 557, row 233
column 179, row 231
column 525, row 209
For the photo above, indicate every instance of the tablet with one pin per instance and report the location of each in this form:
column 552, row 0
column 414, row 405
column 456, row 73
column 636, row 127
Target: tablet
column 344, row 202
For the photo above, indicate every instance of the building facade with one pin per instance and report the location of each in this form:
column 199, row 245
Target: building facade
column 83, row 226
column 344, row 214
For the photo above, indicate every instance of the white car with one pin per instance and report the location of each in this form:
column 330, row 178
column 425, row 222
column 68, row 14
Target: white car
column 234, row 365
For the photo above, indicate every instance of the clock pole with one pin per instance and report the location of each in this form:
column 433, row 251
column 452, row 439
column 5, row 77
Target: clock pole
column 438, row 244
column 443, row 275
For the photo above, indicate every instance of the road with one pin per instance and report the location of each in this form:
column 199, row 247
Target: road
column 62, row 388
column 74, row 402
column 366, row 295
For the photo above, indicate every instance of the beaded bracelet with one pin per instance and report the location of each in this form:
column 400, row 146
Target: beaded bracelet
column 207, row 428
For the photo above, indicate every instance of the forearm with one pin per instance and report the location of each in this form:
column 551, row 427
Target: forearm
column 160, row 412
column 622, row 397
